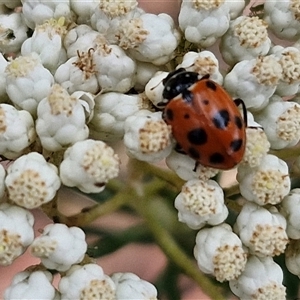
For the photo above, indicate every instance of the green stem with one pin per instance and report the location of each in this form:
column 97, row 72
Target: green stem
column 286, row 153
column 175, row 253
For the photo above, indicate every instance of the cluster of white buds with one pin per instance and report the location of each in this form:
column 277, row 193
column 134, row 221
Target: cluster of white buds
column 78, row 78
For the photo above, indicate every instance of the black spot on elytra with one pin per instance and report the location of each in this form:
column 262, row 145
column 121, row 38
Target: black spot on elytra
column 238, row 122
column 197, row 136
column 221, row 119
column 205, row 101
column 216, row 158
column 236, row 145
column 194, row 153
column 186, row 116
column 168, row 115
column 211, row 85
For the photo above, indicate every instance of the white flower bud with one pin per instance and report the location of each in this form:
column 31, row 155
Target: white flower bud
column 219, row 252
column 78, row 74
column 203, row 22
column 290, row 209
column 86, row 282
column 261, row 279
column 281, row 122
column 154, row 88
column 283, row 18
column 184, row 166
column 147, row 137
column 38, row 11
column 261, row 230
column 27, row 82
column 130, row 286
column 200, row 203
column 89, row 165
column 110, row 112
column 292, row 257
column 61, row 120
column 149, row 38
column 16, row 232
column 203, row 63
column 257, row 143
column 246, row 38
column 31, row 181
column 46, row 41
column 254, row 81
column 115, row 70
column 107, row 16
column 59, row 247
column 83, row 10
column 144, row 72
column 16, row 131
column 289, row 59
column 82, row 38
column 267, row 183
column 31, row 285
column 13, row 32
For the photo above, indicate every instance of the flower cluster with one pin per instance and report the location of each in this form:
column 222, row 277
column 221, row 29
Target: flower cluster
column 79, row 78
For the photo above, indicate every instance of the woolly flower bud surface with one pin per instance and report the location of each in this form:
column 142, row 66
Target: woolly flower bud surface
column 61, row 120
column 147, row 137
column 31, row 181
column 16, row 232
column 86, row 282
column 31, row 285
column 28, row 82
column 201, row 202
column 281, row 122
column 203, row 22
column 219, row 252
column 246, row 38
column 57, row 240
column 290, row 208
column 268, row 183
column 261, row 230
column 130, row 286
column 89, row 165
column 16, row 131
column 261, row 279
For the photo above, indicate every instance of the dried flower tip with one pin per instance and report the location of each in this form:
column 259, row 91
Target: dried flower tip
column 270, row 291
column 22, row 65
column 257, row 146
column 10, row 247
column 295, row 8
column 268, row 240
column 154, row 136
column 205, row 65
column 101, row 163
column 207, row 4
column 60, row 101
column 251, row 32
column 118, row 8
column 85, row 63
column 229, row 261
column 290, row 63
column 101, row 289
column 269, row 186
column 43, row 247
column 288, row 124
column 267, row 70
column 131, row 33
column 53, row 27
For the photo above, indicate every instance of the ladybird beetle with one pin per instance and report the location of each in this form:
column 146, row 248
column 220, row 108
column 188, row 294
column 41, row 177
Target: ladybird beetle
column 206, row 122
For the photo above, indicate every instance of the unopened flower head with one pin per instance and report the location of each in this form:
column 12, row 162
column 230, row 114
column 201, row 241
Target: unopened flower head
column 86, row 282
column 89, row 165
column 261, row 279
column 219, row 252
column 16, row 232
column 267, row 183
column 261, row 230
column 200, row 203
column 31, row 181
column 57, row 240
column 147, row 137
